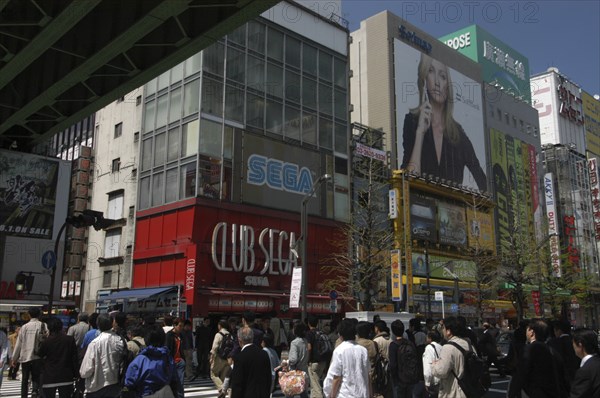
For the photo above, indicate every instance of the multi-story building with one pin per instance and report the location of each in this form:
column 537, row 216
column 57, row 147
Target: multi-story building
column 570, row 178
column 438, row 198
column 113, row 191
column 231, row 142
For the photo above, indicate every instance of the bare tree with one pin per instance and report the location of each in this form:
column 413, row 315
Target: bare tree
column 362, row 256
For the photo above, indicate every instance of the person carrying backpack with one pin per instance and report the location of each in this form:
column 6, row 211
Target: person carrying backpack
column 218, row 354
column 319, row 354
column 404, row 363
column 433, row 349
column 451, row 365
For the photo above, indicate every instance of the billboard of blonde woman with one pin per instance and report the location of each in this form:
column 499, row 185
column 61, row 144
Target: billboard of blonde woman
column 439, row 118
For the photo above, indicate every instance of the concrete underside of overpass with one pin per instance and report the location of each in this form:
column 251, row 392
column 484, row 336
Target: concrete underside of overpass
column 61, row 60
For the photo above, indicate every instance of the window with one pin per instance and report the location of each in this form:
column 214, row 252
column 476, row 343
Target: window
column 112, row 241
column 173, row 145
column 187, row 185
column 171, row 191
column 189, row 139
column 309, row 60
column 138, row 100
column 144, row 193
column 161, row 110
column 256, row 37
column 160, row 149
column 146, row 154
column 292, row 52
column 175, row 106
column 115, row 205
column 255, row 111
column 131, row 211
column 121, row 99
column 292, row 86
column 309, row 128
column 107, row 279
column 325, row 63
column 292, row 123
column 275, row 45
column 214, row 58
column 210, row 138
column 136, row 136
column 234, row 104
column 236, row 65
column 274, row 117
column 149, row 116
column 212, row 97
column 309, row 93
column 118, row 130
column 116, row 165
column 191, row 98
column 158, row 189
column 339, row 73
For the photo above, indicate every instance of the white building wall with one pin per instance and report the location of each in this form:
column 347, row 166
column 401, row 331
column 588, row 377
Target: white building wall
column 127, row 111
column 554, row 127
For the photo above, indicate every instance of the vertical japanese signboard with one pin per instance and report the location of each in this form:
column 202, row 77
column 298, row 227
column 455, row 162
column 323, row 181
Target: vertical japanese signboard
column 552, row 225
column 396, row 276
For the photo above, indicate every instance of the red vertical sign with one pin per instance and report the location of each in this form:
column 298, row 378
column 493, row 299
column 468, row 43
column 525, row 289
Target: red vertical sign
column 535, row 295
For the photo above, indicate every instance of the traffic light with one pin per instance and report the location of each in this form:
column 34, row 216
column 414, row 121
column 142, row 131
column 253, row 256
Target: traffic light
column 20, row 281
column 90, row 218
column 24, row 282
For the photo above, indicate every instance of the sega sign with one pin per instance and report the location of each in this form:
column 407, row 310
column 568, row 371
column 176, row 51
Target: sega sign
column 277, row 174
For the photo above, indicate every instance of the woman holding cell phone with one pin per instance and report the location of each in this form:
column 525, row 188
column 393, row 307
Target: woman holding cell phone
column 434, row 143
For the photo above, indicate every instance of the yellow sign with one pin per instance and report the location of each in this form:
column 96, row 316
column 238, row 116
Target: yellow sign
column 480, row 231
column 396, row 276
column 591, row 114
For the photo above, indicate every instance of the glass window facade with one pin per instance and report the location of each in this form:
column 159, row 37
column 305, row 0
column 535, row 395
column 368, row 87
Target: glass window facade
column 260, row 80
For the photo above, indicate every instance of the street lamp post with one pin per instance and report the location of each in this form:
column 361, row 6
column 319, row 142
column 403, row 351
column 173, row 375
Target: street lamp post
column 304, row 238
column 428, row 283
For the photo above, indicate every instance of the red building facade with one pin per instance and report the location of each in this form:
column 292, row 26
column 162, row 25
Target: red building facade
column 230, row 257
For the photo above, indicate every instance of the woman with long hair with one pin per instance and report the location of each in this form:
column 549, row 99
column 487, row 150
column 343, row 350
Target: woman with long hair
column 434, row 143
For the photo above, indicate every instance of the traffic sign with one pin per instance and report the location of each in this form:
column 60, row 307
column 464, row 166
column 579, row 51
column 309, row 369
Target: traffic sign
column 49, row 259
column 454, row 307
column 439, row 296
column 333, row 294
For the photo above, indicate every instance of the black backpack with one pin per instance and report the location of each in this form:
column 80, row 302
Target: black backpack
column 409, row 363
column 323, row 346
column 226, row 345
column 476, row 379
column 380, row 373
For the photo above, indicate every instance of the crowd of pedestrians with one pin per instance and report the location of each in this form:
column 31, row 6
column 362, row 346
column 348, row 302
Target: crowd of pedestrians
column 105, row 355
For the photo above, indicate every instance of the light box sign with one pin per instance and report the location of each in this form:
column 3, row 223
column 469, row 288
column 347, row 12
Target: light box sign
column 28, row 194
column 452, row 224
column 501, row 64
column 480, row 230
column 462, row 158
column 278, row 175
column 591, row 115
column 422, row 218
column 552, row 225
column 442, row 267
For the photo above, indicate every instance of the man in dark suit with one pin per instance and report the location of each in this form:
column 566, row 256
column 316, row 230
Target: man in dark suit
column 536, row 372
column 562, row 344
column 586, row 383
column 251, row 375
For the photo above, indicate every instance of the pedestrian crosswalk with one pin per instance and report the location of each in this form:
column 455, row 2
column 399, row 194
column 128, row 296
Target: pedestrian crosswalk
column 200, row 387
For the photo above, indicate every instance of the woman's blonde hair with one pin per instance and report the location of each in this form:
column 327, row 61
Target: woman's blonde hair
column 451, row 130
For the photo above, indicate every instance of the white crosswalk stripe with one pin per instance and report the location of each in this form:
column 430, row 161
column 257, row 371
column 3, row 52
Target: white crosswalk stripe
column 197, row 388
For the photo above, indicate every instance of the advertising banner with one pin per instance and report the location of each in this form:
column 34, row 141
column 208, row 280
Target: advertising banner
column 422, row 217
column 424, row 84
column 498, row 147
column 295, row 288
column 552, row 225
column 278, row 175
column 442, row 267
column 481, row 230
column 396, row 275
column 28, row 194
column 501, row 64
column 452, row 224
column 591, row 115
column 595, row 190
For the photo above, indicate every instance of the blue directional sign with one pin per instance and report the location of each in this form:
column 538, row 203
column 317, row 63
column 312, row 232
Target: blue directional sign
column 333, row 294
column 454, row 307
column 49, row 259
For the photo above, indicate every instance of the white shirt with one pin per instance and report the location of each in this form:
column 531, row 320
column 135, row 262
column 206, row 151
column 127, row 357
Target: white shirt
column 584, row 360
column 429, row 356
column 351, row 362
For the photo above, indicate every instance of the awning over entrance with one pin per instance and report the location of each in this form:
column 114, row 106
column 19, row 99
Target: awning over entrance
column 136, row 294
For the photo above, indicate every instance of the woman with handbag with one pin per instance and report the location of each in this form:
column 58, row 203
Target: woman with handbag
column 297, row 361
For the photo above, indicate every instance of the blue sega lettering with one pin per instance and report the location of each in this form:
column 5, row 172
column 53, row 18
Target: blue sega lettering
column 278, row 174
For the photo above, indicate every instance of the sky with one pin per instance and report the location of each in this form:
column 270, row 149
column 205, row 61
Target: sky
column 564, row 34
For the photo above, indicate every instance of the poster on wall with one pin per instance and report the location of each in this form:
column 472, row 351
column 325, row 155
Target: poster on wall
column 427, row 90
column 452, row 224
column 443, row 267
column 27, row 194
column 480, row 230
column 422, row 217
